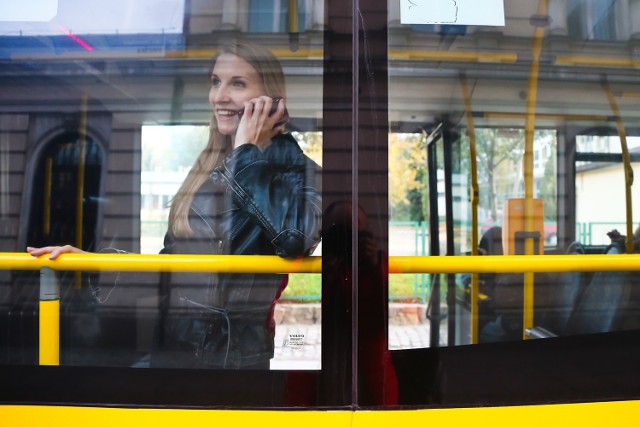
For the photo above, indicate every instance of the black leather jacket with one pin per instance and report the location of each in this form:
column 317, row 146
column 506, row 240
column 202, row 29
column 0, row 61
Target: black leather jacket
column 257, row 202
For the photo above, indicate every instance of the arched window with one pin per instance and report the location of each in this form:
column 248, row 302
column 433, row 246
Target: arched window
column 66, row 193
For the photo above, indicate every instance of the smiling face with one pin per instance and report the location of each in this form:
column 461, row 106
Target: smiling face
column 233, row 81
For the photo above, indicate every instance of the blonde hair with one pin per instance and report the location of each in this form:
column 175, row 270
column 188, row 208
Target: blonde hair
column 219, row 146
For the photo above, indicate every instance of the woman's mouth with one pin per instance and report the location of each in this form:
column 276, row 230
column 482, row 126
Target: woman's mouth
column 227, row 113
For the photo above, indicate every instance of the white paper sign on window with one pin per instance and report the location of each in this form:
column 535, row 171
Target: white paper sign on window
column 452, row 12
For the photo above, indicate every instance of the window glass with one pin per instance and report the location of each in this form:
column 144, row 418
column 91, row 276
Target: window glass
column 539, row 129
column 105, row 107
column 600, row 174
column 168, row 152
column 128, row 128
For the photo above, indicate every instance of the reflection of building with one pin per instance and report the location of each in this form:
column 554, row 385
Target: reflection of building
column 130, row 79
column 260, row 16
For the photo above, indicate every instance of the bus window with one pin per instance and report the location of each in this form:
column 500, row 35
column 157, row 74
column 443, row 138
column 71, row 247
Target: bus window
column 62, row 161
column 525, row 147
column 433, row 165
column 445, row 194
column 167, row 154
column 600, row 176
column 101, row 122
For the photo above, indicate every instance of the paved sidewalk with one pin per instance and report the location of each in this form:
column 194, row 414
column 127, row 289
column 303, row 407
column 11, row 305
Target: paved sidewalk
column 298, row 332
column 299, row 346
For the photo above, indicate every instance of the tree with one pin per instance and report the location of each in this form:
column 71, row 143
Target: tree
column 311, row 144
column 548, row 184
column 498, row 152
column 407, row 173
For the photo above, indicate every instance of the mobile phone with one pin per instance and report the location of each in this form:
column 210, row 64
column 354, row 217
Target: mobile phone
column 274, row 107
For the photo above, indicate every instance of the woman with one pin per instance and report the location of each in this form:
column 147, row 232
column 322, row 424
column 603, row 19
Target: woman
column 250, row 191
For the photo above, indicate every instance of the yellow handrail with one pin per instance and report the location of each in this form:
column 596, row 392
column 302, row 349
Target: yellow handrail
column 163, row 263
column 496, row 57
column 513, row 263
column 475, row 200
column 50, row 305
column 628, row 171
column 274, row 264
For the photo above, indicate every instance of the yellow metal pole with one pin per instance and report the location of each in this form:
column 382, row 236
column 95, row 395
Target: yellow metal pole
column 628, row 171
column 49, row 335
column 513, row 263
column 465, row 56
column 80, row 184
column 532, row 96
column 545, row 116
column 293, row 16
column 49, row 318
column 162, row 263
column 81, row 169
column 46, row 218
column 294, row 25
column 475, row 195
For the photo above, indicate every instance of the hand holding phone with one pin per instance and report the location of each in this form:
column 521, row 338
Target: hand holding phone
column 274, row 106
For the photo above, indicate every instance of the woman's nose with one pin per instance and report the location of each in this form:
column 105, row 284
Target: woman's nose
column 220, row 94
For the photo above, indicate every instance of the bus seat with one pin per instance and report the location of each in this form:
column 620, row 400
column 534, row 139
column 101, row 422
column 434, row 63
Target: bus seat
column 507, row 306
column 557, row 296
column 629, row 316
column 603, row 300
column 490, row 244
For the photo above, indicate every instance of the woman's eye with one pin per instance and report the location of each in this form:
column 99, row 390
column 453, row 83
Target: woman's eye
column 239, row 83
column 215, row 81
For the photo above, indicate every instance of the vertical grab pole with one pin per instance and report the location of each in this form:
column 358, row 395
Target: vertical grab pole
column 530, row 121
column 49, row 333
column 46, row 218
column 475, row 196
column 628, row 171
column 80, row 184
column 294, row 25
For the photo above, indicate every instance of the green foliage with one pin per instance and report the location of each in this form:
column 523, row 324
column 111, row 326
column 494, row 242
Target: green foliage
column 407, row 172
column 403, row 286
column 548, row 184
column 308, row 287
column 311, row 144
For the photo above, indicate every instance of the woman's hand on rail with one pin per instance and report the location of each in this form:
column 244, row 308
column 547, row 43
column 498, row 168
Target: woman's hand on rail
column 54, row 251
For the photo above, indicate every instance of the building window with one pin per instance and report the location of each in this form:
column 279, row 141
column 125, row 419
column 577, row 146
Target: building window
column 271, row 16
column 592, row 19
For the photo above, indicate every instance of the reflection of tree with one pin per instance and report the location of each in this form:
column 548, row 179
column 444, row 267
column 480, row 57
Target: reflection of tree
column 407, row 173
column 498, row 153
column 548, row 186
column 499, row 157
column 499, row 160
column 311, row 144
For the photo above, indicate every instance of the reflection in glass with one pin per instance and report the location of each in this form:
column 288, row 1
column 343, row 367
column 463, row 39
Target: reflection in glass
column 514, row 96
